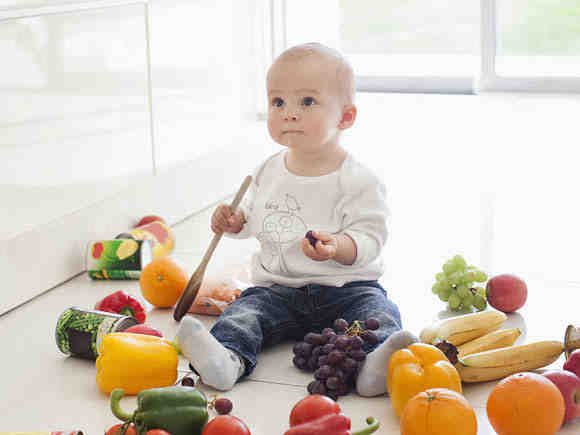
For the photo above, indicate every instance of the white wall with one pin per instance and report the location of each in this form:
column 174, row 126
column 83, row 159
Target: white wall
column 110, row 110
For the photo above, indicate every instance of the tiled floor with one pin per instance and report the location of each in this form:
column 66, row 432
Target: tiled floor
column 43, row 389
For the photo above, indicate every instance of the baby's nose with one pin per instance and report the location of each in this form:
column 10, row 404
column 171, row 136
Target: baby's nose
column 290, row 115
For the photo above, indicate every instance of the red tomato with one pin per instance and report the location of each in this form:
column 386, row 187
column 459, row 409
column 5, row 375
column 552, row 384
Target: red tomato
column 157, row 432
column 226, row 425
column 148, row 219
column 117, row 430
column 312, row 408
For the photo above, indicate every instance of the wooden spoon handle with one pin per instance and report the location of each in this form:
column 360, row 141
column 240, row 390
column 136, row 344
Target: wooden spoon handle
column 241, row 193
column 190, row 292
column 234, row 206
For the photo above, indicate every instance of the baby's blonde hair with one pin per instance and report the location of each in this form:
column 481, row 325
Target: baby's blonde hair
column 344, row 79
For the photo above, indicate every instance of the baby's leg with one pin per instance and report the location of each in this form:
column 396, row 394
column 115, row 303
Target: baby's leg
column 217, row 366
column 373, row 302
column 227, row 352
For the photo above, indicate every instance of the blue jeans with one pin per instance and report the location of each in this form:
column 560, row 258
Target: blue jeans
column 265, row 316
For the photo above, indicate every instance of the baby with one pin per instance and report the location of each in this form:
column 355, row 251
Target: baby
column 303, row 284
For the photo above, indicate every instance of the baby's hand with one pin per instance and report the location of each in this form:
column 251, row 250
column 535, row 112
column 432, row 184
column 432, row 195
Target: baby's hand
column 223, row 221
column 324, row 248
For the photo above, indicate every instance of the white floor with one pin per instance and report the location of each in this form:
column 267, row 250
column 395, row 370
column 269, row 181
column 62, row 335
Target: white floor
column 447, row 196
column 43, row 390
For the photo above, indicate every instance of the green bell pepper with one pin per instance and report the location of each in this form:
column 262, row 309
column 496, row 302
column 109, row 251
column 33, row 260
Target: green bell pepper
column 178, row 410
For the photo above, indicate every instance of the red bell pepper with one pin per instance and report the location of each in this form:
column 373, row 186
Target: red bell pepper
column 332, row 424
column 121, row 303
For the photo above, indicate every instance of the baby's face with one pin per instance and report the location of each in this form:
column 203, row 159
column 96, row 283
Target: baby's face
column 304, row 108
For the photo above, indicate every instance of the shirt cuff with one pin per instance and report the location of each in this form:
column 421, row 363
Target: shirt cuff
column 365, row 248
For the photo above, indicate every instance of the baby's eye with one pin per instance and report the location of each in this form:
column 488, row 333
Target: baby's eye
column 308, row 101
column 277, row 102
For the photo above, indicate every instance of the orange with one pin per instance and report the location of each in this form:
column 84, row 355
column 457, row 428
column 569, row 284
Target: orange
column 525, row 404
column 438, row 411
column 162, row 281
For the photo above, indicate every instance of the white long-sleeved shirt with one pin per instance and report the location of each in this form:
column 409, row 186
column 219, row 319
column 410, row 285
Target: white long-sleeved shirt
column 281, row 207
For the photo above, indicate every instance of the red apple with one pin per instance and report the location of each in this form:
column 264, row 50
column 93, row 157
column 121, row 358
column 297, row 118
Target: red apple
column 143, row 329
column 148, row 219
column 569, row 385
column 506, row 293
column 572, row 364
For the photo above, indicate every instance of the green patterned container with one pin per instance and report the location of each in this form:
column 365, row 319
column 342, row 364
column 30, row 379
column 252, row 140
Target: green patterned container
column 118, row 259
column 79, row 332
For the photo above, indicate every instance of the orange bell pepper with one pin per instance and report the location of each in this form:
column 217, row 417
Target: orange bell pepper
column 135, row 362
column 415, row 369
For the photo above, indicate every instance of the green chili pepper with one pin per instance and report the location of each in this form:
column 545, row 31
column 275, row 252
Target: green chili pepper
column 178, row 410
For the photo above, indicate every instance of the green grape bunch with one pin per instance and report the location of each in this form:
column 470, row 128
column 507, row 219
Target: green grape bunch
column 456, row 285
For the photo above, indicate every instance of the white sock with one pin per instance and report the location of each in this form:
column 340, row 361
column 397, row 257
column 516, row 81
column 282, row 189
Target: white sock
column 372, row 377
column 217, row 366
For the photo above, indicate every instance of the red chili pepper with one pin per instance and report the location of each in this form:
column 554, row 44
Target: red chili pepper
column 332, row 424
column 121, row 303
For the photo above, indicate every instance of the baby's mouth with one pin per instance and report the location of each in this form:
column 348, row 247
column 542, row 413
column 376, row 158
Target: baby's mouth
column 292, row 131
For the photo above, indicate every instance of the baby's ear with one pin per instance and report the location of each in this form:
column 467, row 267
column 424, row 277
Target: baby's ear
column 348, row 117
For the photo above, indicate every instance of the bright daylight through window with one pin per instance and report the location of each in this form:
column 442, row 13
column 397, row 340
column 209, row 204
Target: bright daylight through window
column 401, row 37
column 538, row 38
column 448, row 44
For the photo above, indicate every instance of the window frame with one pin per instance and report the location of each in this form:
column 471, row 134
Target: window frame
column 484, row 80
column 490, row 81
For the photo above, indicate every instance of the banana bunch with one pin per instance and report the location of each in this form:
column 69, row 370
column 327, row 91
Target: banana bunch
column 493, row 340
column 461, row 329
column 499, row 363
column 486, row 352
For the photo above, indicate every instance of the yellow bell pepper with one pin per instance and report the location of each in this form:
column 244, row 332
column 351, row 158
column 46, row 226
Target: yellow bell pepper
column 415, row 369
column 135, row 362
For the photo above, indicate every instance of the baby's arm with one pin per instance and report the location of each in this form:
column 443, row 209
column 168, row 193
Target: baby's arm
column 366, row 217
column 338, row 247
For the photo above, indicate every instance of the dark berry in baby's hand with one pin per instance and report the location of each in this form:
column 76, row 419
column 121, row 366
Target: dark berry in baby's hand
column 311, row 238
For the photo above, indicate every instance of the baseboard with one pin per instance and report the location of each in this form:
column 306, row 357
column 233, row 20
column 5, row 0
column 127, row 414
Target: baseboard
column 39, row 259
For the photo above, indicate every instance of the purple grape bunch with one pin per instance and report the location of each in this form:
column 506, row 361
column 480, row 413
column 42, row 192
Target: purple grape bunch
column 335, row 355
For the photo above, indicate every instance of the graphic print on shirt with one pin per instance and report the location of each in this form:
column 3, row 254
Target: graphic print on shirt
column 279, row 227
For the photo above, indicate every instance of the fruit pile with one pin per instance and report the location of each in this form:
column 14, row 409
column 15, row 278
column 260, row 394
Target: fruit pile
column 175, row 410
column 536, row 403
column 525, row 403
column 522, row 402
column 317, row 414
column 455, row 285
column 481, row 351
column 335, row 355
column 423, row 380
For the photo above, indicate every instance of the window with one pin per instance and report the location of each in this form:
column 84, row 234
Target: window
column 391, row 38
column 446, row 46
column 538, row 38
column 491, row 177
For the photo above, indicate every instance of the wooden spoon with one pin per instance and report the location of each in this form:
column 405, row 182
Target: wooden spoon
column 192, row 288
